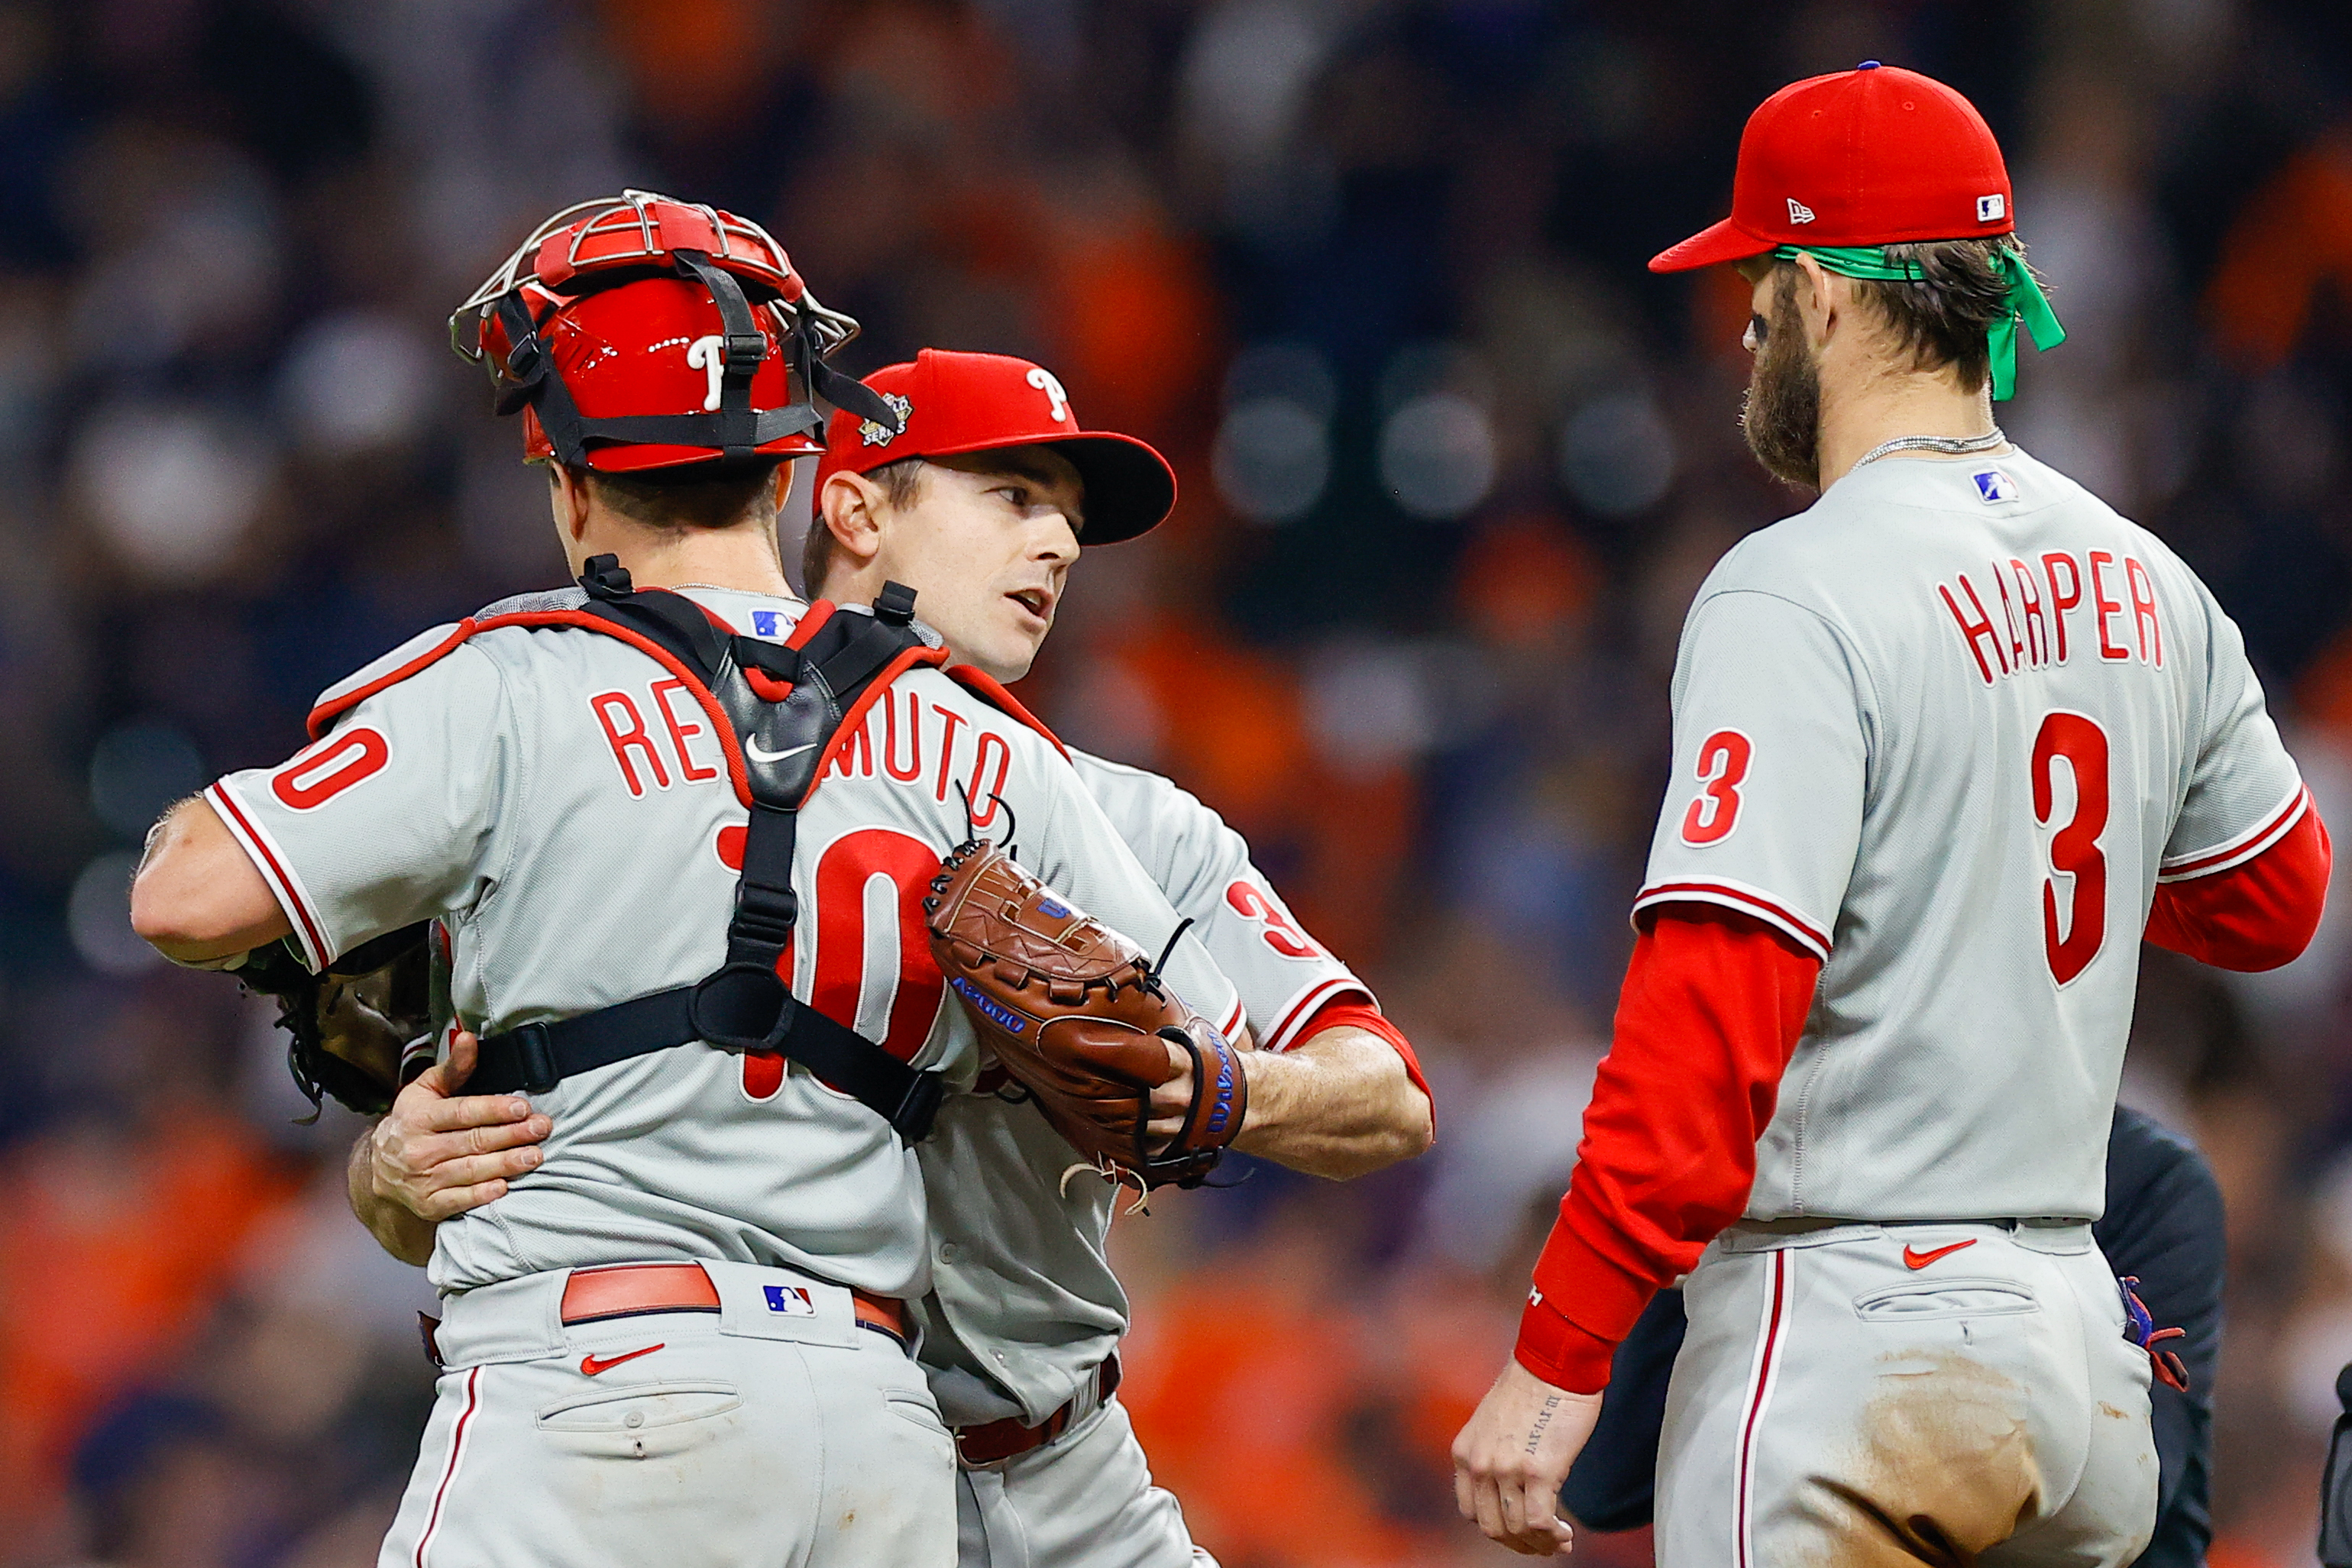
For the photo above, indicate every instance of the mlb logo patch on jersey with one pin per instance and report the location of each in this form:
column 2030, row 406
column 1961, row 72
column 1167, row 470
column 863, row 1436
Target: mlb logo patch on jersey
column 1992, row 486
column 767, row 624
column 792, row 1300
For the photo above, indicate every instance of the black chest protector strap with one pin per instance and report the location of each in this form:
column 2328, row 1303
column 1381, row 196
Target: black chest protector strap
column 783, row 734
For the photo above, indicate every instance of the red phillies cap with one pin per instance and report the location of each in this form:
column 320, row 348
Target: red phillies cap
column 951, row 403
column 1876, row 155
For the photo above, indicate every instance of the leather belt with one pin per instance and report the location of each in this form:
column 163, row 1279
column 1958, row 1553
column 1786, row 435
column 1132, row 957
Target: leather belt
column 626, row 1289
column 1806, row 1224
column 994, row 1441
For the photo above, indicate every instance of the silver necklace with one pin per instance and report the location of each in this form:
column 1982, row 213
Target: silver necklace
column 1958, row 445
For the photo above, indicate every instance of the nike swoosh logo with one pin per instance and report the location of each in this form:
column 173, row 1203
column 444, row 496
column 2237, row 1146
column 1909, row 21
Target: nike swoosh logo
column 758, row 753
column 592, row 1366
column 1912, row 1259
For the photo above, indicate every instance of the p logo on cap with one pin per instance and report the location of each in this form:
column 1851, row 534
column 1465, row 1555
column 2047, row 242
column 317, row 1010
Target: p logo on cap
column 953, row 403
column 1044, row 381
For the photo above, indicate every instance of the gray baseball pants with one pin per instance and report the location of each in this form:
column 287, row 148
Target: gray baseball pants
column 774, row 1432
column 1871, row 1394
column 1084, row 1500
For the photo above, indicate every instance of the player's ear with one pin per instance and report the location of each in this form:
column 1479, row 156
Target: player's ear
column 567, row 499
column 1819, row 295
column 851, row 507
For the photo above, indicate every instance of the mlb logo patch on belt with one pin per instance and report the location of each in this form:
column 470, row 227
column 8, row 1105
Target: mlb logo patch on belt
column 792, row 1300
column 1992, row 486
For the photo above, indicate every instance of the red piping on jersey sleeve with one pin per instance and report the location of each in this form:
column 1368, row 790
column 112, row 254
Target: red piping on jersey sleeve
column 1713, row 1005
column 282, row 885
column 335, row 706
column 2259, row 913
column 1731, row 895
column 1353, row 1009
column 2245, row 847
column 1291, row 1029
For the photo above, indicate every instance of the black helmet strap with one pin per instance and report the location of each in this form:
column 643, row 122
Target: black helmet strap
column 734, row 427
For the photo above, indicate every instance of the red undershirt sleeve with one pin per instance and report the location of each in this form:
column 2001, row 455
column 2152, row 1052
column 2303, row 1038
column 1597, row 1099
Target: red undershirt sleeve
column 1713, row 1005
column 2255, row 916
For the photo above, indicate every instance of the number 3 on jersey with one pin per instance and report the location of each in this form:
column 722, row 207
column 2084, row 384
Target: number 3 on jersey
column 2075, row 852
column 1723, row 760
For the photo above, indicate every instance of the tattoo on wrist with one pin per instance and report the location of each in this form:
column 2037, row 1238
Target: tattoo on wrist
column 1543, row 1419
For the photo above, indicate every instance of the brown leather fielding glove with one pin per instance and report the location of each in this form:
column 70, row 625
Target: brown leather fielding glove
column 1078, row 1015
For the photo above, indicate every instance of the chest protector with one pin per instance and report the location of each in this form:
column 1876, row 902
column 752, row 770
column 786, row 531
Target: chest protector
column 783, row 704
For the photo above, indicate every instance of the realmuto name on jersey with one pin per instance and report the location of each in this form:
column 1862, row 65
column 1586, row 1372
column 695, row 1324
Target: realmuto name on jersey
column 657, row 740
column 2021, row 615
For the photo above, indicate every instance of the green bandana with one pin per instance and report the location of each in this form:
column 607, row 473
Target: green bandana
column 2025, row 298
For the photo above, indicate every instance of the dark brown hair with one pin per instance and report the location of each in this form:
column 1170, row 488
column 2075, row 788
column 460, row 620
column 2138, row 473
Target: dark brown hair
column 901, row 482
column 699, row 496
column 1943, row 318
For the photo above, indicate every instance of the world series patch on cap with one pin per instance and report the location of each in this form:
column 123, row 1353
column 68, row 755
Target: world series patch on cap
column 1876, row 155
column 951, row 404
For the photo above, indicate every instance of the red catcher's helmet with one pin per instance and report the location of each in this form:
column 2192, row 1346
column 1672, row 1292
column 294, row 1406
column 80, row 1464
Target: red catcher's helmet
column 637, row 332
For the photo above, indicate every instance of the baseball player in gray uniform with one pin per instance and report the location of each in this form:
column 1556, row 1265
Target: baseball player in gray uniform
column 683, row 1336
column 1946, row 744
column 1025, row 1315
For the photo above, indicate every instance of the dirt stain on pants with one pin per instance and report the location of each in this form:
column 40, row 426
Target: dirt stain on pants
column 1946, row 1469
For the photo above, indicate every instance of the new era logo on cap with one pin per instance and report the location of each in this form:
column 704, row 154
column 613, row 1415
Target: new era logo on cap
column 1799, row 213
column 1992, row 209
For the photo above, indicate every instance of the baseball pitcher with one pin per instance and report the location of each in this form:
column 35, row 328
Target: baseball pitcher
column 668, row 919
column 1946, row 746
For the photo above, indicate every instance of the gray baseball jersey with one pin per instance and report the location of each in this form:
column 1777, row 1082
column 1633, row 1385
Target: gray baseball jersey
column 1947, row 730
column 563, row 803
column 1024, row 1305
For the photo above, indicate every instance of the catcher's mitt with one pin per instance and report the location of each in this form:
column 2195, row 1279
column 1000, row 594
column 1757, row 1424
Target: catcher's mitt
column 352, row 1027
column 1078, row 1016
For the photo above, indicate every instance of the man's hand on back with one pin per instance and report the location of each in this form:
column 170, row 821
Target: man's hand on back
column 437, row 1153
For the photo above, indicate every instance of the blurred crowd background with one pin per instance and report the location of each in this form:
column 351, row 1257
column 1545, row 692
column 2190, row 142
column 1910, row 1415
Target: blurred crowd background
column 1372, row 272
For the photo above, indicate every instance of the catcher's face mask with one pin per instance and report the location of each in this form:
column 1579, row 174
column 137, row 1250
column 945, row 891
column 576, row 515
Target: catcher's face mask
column 642, row 332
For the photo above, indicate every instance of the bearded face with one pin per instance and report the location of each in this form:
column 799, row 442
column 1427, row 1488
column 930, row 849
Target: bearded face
column 1782, row 416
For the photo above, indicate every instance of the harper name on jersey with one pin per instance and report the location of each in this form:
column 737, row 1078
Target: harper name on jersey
column 2037, row 639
